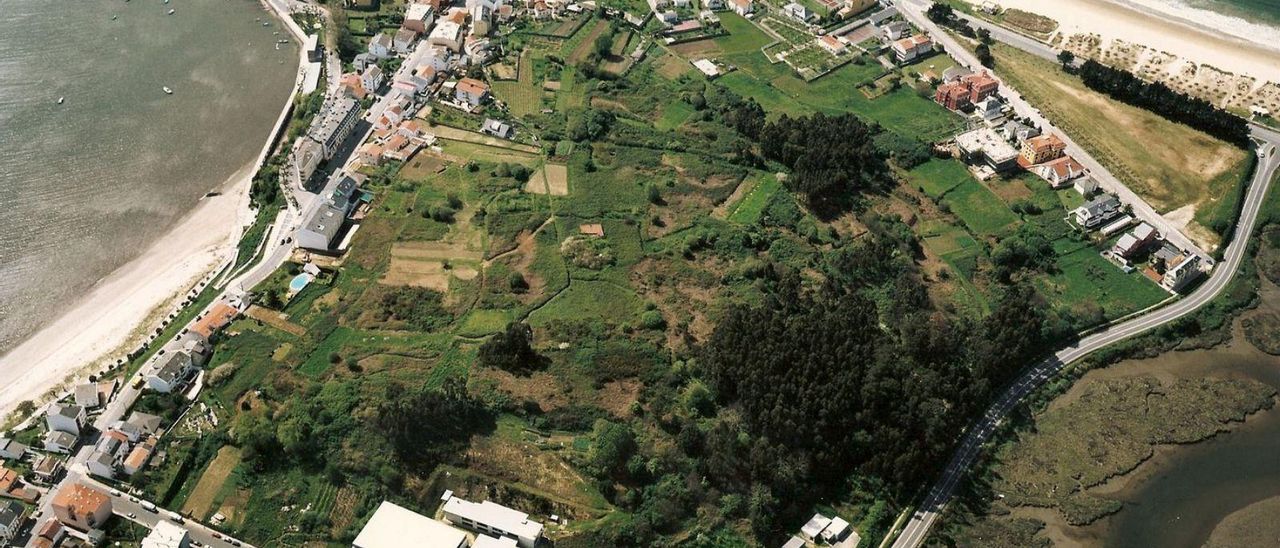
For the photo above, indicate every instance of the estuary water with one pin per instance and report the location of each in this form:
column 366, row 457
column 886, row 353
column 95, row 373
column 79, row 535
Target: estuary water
column 85, row 185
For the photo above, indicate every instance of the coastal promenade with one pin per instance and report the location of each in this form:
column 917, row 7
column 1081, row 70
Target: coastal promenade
column 1031, row 379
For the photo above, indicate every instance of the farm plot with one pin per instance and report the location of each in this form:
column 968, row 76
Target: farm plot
column 210, row 485
column 430, row 264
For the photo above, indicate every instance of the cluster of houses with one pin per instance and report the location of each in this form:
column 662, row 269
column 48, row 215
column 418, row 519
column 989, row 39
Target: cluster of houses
column 329, row 129
column 492, row 525
column 126, row 447
column 820, row 529
column 997, row 144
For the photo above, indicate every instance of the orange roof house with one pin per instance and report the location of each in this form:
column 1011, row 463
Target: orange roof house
column 592, row 229
column 218, row 317
column 82, row 507
column 1038, row 150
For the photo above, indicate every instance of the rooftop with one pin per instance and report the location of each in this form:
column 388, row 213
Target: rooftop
column 495, row 515
column 395, row 526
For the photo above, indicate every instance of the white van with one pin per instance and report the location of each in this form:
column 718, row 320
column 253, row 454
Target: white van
column 175, row 517
column 148, row 506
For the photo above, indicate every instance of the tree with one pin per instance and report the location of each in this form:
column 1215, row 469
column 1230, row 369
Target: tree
column 612, row 445
column 940, row 13
column 983, row 52
column 510, row 350
column 832, row 158
column 1066, row 58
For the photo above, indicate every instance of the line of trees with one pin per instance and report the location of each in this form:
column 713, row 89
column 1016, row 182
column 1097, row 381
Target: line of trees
column 831, row 158
column 1160, row 99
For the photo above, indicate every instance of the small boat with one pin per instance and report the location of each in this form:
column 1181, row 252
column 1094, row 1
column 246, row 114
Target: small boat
column 61, row 99
column 171, row 12
column 114, row 17
column 266, row 23
column 166, row 1
column 167, row 90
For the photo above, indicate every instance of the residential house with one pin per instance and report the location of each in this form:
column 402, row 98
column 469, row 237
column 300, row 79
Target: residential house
column 10, row 449
column 797, row 12
column 953, row 96
column 498, row 129
column 218, row 317
column 742, row 7
column 471, row 92
column 437, row 58
column 363, row 60
column 66, row 418
column 478, row 51
column 981, row 86
column 447, row 34
column 989, row 111
column 1086, row 186
column 381, row 46
column 167, row 535
column 986, row 146
column 320, row 231
column 1180, row 272
column 149, row 424
column 1041, row 149
column 480, row 17
column 1135, row 240
column 402, row 41
column 11, row 486
column 13, row 515
column 883, row 15
column 60, row 442
column 713, row 4
column 49, row 535
column 47, row 468
column 1097, row 211
column 668, row 17
column 683, row 27
column 709, row 17
column 811, row 530
column 370, row 154
column 837, row 530
column 794, row 542
column 418, row 18
column 895, row 30
column 494, row 519
column 909, row 49
column 139, row 456
column 351, row 86
column 371, row 79
column 1060, row 172
column 656, row 6
column 833, row 45
column 87, row 396
column 954, row 74
column 504, row 13
column 175, row 370
column 101, row 464
column 1017, row 132
column 393, row 526
column 82, row 507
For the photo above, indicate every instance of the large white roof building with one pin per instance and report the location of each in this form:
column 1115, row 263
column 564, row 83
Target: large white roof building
column 394, row 526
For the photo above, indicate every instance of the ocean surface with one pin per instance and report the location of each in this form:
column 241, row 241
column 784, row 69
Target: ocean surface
column 86, row 185
column 1251, row 20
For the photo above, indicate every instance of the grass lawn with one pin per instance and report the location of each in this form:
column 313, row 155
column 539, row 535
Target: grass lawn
column 937, row 177
column 980, row 209
column 751, row 206
column 1171, row 165
column 1085, row 278
column 590, row 300
column 743, row 36
column 673, row 114
column 480, row 322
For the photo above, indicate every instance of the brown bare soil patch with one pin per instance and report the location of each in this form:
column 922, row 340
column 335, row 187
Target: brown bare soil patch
column 700, row 47
column 344, row 509
column 275, row 319
column 552, row 179
column 423, row 165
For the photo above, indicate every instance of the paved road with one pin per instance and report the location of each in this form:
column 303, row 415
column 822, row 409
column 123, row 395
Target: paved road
column 978, row 434
column 914, row 10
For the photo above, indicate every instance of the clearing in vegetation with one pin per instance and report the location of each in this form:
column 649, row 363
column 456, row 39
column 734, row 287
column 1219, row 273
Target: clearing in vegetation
column 206, row 490
column 430, row 264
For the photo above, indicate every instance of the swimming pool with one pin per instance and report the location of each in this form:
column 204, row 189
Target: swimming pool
column 300, row 281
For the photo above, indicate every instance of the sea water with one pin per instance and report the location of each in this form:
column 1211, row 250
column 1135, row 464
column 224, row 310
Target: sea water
column 85, row 185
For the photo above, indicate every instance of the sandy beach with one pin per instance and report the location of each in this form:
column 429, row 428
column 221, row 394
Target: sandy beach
column 105, row 324
column 1196, row 35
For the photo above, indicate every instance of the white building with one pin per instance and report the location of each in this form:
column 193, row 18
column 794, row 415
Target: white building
column 173, row 373
column 833, row 45
column 380, row 46
column 493, row 519
column 908, row 49
column 403, row 41
column 371, row 79
column 1179, row 273
column 393, row 526
column 65, row 418
column 486, row 541
column 418, row 18
column 743, row 7
column 167, row 535
column 447, row 34
column 797, row 12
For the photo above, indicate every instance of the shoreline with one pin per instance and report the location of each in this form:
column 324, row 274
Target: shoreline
column 126, row 307
column 1136, row 22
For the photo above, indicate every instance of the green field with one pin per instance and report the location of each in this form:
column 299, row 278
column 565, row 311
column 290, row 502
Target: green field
column 590, row 300
column 751, row 206
column 937, row 177
column 980, row 209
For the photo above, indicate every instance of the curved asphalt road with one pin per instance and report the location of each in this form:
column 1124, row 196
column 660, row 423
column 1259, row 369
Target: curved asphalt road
column 918, row 527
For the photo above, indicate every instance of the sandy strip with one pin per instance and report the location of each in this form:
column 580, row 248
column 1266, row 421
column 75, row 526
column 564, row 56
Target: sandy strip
column 1208, row 38
column 105, row 324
